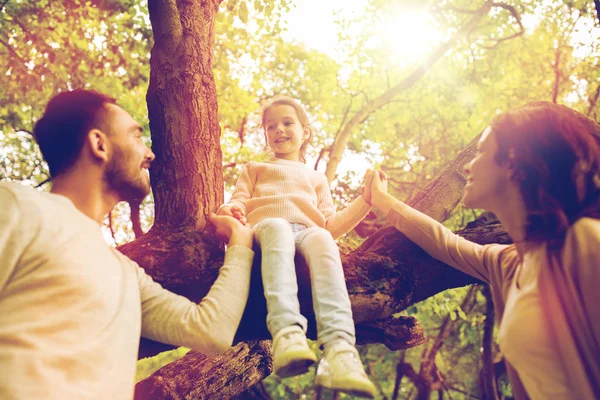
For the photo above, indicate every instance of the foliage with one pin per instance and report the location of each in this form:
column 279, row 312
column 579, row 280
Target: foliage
column 46, row 47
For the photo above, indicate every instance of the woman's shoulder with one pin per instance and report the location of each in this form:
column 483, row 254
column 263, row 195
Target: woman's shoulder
column 585, row 229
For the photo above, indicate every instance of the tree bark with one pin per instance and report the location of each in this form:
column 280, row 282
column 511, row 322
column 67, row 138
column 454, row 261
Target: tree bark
column 187, row 180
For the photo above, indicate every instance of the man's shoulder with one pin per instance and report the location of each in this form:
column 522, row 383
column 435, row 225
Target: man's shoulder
column 18, row 194
column 18, row 190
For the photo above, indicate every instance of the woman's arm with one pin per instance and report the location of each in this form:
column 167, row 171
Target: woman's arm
column 437, row 240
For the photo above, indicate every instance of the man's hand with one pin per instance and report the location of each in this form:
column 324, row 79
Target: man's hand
column 235, row 212
column 231, row 230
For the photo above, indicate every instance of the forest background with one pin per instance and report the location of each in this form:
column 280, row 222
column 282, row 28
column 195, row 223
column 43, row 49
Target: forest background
column 404, row 86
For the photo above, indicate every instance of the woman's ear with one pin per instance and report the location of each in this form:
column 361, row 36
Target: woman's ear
column 97, row 142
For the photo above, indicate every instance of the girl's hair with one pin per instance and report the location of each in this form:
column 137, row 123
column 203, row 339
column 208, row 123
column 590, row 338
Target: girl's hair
column 302, row 117
column 554, row 153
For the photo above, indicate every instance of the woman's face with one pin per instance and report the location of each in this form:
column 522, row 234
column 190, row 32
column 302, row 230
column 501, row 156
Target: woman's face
column 486, row 180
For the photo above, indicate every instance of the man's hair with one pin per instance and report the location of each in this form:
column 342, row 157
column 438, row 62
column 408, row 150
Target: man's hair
column 68, row 117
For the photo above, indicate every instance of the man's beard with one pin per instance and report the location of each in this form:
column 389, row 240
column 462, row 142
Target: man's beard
column 128, row 188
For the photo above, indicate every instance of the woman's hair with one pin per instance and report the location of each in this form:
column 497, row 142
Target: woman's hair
column 302, row 117
column 554, row 153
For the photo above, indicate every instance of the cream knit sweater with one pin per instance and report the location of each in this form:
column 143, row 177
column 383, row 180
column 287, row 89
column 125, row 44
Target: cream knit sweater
column 290, row 190
column 72, row 308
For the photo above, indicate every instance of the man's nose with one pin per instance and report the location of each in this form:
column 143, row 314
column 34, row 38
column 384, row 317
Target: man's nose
column 150, row 156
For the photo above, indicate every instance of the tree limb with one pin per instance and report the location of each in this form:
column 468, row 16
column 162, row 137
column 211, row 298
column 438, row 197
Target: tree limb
column 166, row 26
column 488, row 371
column 342, row 140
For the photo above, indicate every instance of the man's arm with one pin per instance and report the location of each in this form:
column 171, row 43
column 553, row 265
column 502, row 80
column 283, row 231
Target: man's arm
column 210, row 326
column 11, row 244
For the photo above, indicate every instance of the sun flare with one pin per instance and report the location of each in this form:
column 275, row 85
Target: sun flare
column 410, row 35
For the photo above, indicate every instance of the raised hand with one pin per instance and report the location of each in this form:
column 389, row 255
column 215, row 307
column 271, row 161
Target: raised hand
column 379, row 183
column 366, row 189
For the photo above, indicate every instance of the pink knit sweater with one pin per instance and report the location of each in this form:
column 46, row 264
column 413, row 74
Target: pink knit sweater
column 290, row 190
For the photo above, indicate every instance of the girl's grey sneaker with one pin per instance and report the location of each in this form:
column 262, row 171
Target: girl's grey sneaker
column 341, row 369
column 291, row 354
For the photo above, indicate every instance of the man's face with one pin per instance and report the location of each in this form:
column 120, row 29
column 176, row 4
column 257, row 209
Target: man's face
column 127, row 171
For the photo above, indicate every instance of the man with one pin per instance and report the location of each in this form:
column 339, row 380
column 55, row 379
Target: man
column 72, row 308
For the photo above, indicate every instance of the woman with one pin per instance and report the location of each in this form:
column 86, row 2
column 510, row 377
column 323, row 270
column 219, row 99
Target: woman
column 538, row 169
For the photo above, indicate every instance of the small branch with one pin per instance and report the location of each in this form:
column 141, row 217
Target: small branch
column 134, row 206
column 597, row 4
column 488, row 375
column 593, row 101
column 3, row 4
column 318, row 160
column 14, row 52
column 242, row 131
column 557, row 76
column 110, row 226
column 375, row 381
column 516, row 16
column 399, row 376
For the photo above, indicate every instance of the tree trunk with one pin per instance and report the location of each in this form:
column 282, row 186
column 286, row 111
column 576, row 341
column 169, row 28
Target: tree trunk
column 187, row 180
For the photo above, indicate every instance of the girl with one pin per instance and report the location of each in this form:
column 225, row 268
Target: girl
column 290, row 209
column 538, row 169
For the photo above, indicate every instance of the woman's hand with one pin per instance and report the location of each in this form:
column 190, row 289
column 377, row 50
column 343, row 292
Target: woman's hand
column 368, row 188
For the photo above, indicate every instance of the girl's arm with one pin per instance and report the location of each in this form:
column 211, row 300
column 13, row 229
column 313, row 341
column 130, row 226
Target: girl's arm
column 339, row 223
column 242, row 193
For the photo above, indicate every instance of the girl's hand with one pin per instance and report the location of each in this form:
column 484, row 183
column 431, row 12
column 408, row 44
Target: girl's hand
column 231, row 230
column 366, row 189
column 235, row 212
column 379, row 183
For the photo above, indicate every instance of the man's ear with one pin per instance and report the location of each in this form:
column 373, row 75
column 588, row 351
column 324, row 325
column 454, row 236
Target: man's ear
column 98, row 144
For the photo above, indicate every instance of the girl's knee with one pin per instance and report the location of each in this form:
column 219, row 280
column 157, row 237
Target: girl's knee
column 274, row 224
column 315, row 233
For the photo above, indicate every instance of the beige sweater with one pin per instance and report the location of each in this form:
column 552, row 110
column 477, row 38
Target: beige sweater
column 549, row 324
column 72, row 308
column 292, row 191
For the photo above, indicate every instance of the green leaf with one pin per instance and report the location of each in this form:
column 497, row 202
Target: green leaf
column 243, row 12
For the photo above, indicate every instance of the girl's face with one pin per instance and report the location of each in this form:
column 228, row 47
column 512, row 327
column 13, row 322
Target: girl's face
column 486, row 180
column 285, row 133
